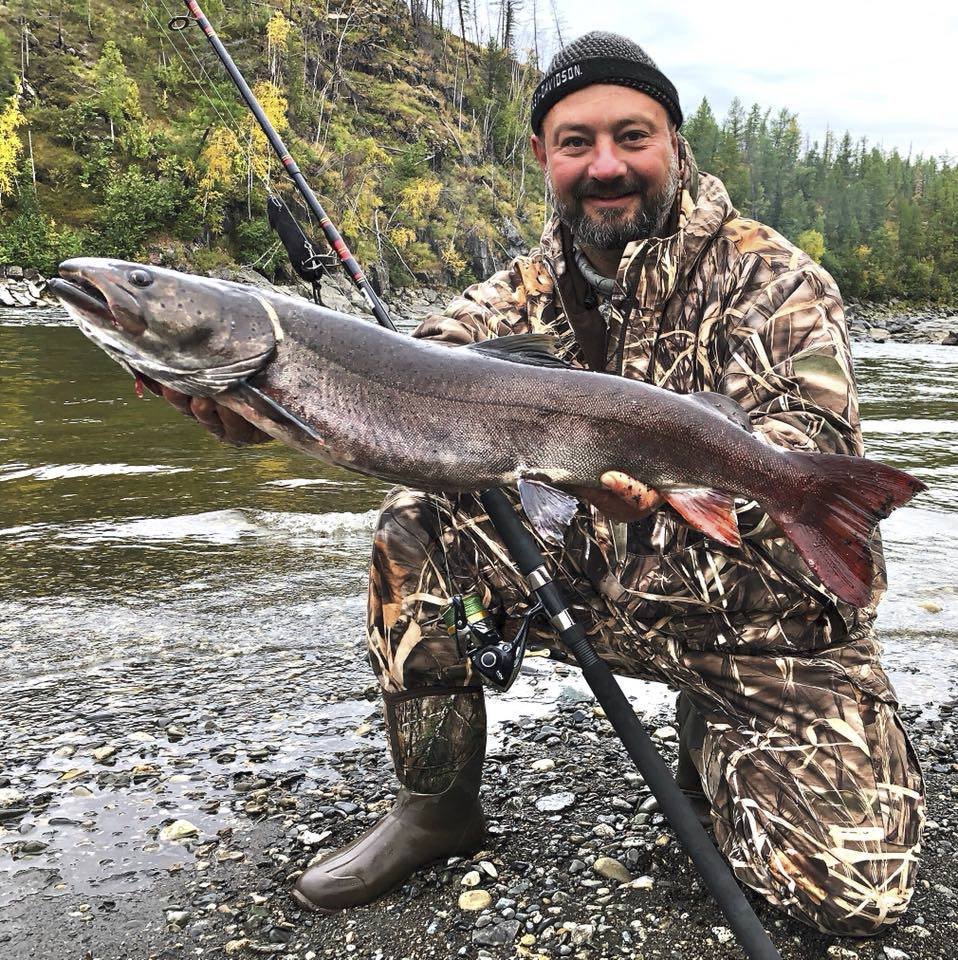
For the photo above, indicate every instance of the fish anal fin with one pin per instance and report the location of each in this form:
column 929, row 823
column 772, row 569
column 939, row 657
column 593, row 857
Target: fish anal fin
column 710, row 511
column 550, row 511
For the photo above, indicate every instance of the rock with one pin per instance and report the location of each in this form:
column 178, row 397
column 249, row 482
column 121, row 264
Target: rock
column 641, row 883
column 665, row 734
column 9, row 797
column 471, row 879
column 497, row 935
column 475, row 900
column 722, row 934
column 930, row 606
column 947, row 338
column 611, row 869
column 555, row 802
column 103, row 753
column 311, row 839
column 14, row 273
column 580, row 934
column 649, row 805
column 893, row 953
column 6, row 298
column 178, row 830
column 878, row 335
column 603, row 830
column 488, row 869
column 177, row 917
column 544, row 765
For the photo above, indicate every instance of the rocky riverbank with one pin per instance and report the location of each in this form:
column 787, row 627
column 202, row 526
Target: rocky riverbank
column 902, row 322
column 895, row 321
column 579, row 864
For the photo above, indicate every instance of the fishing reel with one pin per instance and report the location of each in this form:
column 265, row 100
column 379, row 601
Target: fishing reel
column 496, row 660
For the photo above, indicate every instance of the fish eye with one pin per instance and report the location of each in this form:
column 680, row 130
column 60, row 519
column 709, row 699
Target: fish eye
column 141, row 278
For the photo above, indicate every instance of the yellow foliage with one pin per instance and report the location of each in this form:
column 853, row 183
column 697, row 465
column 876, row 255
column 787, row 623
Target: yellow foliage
column 863, row 251
column 813, row 243
column 11, row 145
column 278, row 30
column 402, row 237
column 274, row 104
column 452, row 258
column 421, row 196
column 220, row 161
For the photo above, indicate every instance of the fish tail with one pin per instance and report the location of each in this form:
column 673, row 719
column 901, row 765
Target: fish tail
column 841, row 501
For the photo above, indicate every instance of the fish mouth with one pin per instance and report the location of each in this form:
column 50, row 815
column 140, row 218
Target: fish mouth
column 83, row 297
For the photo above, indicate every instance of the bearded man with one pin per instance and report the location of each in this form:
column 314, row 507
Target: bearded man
column 790, row 741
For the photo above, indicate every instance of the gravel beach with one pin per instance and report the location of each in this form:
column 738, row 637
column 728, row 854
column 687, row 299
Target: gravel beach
column 578, row 864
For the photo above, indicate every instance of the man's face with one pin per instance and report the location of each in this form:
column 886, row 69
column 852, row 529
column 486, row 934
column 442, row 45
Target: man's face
column 611, row 163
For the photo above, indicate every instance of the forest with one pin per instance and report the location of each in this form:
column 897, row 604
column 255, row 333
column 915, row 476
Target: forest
column 121, row 137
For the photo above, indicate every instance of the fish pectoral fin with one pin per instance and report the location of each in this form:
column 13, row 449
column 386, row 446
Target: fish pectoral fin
column 710, row 511
column 537, row 349
column 550, row 511
column 729, row 408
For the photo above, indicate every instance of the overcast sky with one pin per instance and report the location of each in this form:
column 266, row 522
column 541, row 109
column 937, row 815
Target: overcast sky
column 886, row 72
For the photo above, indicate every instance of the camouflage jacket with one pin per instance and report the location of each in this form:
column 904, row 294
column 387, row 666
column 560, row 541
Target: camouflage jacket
column 721, row 303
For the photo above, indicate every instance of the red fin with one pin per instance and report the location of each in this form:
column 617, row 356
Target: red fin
column 711, row 511
column 138, row 385
column 842, row 500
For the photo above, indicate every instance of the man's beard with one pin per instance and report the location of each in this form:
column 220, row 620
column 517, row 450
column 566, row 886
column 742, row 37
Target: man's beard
column 611, row 229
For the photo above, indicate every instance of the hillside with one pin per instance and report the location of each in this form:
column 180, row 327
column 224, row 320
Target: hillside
column 139, row 146
column 125, row 138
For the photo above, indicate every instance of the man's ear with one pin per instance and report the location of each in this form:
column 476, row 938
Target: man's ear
column 539, row 149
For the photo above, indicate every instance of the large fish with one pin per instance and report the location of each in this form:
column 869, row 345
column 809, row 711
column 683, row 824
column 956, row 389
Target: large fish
column 500, row 413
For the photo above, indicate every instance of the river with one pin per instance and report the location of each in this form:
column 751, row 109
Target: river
column 199, row 609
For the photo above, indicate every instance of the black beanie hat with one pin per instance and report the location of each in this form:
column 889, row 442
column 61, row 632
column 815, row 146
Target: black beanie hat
column 600, row 57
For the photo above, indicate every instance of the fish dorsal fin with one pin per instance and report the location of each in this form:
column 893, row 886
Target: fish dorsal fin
column 538, row 349
column 710, row 511
column 550, row 511
column 729, row 408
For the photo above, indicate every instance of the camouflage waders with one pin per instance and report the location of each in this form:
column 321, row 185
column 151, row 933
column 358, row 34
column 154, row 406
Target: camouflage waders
column 816, row 795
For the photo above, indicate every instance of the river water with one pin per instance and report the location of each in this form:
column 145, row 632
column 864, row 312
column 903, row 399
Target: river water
column 199, row 609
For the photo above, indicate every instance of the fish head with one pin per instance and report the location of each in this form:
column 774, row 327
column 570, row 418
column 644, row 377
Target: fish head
column 195, row 334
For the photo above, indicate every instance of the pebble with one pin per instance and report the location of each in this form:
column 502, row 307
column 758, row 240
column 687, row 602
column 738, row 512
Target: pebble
column 103, row 753
column 893, row 953
column 641, row 883
column 178, row 830
column 488, row 868
column 930, row 606
column 472, row 879
column 611, row 869
column 498, row 934
column 555, row 802
column 475, row 900
column 665, row 734
column 9, row 797
column 722, row 934
column 544, row 765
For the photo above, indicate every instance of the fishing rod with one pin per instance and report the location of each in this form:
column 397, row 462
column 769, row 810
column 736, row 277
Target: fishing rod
column 498, row 661
column 333, row 236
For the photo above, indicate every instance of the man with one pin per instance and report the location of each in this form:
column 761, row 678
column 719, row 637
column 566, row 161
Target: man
column 789, row 734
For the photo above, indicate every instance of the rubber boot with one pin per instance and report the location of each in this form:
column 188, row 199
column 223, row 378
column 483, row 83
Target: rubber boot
column 691, row 737
column 438, row 745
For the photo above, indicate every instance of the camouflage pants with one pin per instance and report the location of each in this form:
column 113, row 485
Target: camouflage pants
column 817, row 798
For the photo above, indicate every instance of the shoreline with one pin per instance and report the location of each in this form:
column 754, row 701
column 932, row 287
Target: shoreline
column 562, row 802
column 892, row 322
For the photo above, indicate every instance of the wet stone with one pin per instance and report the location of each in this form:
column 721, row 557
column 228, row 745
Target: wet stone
column 497, row 935
column 555, row 802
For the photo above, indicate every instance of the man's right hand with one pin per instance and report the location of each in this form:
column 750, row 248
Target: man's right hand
column 217, row 419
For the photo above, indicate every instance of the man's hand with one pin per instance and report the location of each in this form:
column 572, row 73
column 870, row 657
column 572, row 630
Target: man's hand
column 218, row 420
